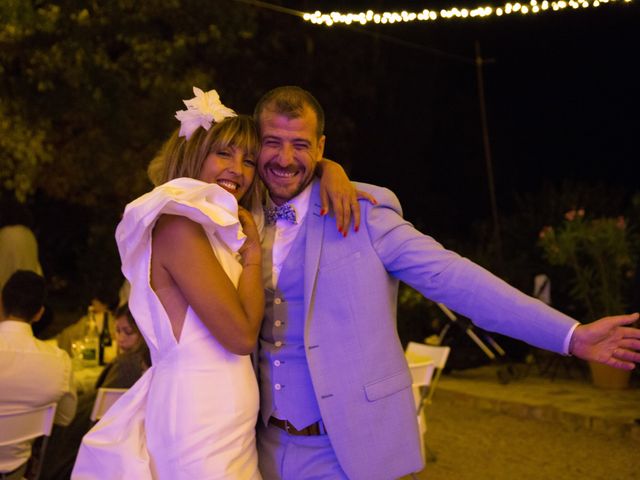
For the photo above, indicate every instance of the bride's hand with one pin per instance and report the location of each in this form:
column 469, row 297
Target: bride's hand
column 336, row 190
column 250, row 251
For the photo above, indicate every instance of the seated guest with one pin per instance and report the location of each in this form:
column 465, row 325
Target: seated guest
column 33, row 373
column 133, row 354
column 99, row 305
column 132, row 361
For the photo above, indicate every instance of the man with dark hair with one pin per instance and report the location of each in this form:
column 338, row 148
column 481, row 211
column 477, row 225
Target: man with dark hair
column 23, row 296
column 335, row 389
column 33, row 373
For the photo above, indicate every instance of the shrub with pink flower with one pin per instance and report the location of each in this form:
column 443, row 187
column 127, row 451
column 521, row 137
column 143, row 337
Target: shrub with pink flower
column 599, row 252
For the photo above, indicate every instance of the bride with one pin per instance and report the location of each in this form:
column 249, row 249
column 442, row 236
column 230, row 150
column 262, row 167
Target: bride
column 193, row 258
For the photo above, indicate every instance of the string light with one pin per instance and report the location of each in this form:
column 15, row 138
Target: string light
column 426, row 15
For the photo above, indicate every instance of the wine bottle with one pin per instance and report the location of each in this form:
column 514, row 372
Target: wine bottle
column 91, row 342
column 105, row 338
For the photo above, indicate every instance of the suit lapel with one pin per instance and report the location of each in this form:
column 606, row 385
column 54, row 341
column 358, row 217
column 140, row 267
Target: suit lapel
column 313, row 247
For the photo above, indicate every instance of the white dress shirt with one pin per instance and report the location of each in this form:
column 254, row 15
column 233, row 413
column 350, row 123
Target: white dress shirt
column 285, row 231
column 32, row 374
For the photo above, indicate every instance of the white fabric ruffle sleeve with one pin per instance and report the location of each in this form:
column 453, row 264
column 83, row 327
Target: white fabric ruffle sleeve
column 215, row 209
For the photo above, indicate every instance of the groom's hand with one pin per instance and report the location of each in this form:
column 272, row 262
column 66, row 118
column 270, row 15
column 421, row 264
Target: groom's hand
column 610, row 340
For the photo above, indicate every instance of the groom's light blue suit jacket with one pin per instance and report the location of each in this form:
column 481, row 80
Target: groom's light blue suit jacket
column 360, row 377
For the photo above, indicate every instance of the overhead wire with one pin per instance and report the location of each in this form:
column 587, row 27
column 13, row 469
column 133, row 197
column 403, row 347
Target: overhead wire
column 364, row 31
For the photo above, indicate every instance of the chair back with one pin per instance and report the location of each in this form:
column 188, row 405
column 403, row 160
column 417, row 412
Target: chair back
column 24, row 426
column 421, row 366
column 104, row 399
column 437, row 354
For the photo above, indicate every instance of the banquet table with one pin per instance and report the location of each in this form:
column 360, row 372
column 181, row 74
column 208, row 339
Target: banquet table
column 85, row 379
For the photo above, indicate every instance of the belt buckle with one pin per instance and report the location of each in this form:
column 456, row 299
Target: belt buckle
column 287, row 426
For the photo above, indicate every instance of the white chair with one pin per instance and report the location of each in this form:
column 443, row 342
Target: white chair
column 439, row 356
column 429, row 361
column 421, row 368
column 104, row 399
column 29, row 425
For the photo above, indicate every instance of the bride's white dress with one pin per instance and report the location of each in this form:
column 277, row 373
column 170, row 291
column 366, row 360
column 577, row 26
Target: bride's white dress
column 193, row 413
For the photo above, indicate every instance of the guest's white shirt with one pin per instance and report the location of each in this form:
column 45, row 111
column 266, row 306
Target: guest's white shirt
column 285, row 231
column 32, row 374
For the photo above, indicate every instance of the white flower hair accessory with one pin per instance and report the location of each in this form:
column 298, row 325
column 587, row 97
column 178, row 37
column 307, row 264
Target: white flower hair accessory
column 202, row 110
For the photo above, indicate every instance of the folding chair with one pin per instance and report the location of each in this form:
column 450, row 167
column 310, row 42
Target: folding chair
column 506, row 372
column 436, row 357
column 25, row 426
column 104, row 399
column 421, row 368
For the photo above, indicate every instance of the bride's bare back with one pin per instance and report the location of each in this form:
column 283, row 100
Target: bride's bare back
column 185, row 272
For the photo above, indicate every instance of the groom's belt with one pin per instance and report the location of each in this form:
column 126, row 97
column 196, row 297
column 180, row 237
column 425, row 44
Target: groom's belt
column 316, row 428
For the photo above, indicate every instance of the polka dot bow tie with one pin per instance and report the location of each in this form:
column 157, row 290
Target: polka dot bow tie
column 284, row 212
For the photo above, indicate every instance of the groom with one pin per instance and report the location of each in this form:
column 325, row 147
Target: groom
column 336, row 401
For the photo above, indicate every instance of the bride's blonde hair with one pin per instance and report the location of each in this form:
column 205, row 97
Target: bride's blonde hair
column 179, row 157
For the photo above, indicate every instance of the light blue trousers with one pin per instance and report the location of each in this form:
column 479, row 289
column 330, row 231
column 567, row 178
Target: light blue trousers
column 288, row 457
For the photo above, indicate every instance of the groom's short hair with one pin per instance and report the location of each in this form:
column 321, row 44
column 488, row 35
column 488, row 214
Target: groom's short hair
column 290, row 101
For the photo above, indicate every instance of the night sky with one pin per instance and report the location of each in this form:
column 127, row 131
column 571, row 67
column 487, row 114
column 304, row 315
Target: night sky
column 561, row 95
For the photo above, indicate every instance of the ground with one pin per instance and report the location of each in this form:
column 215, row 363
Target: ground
column 475, row 444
